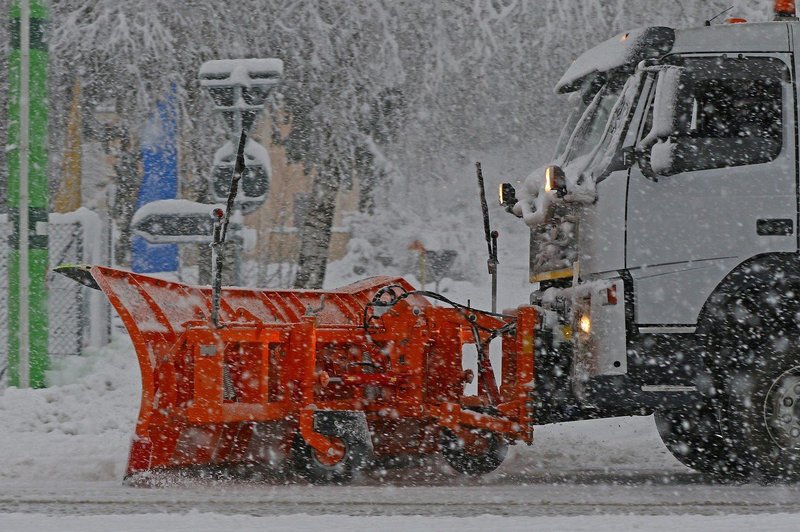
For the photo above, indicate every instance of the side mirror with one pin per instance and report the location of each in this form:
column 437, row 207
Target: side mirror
column 666, row 106
column 656, row 155
column 663, row 158
column 507, row 195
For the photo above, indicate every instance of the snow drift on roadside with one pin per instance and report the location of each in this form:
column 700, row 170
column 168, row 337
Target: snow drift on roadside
column 80, row 427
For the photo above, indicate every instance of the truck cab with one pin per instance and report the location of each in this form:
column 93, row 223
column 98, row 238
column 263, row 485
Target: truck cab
column 664, row 243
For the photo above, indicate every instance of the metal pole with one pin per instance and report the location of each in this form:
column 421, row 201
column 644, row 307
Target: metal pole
column 234, row 255
column 24, row 204
column 495, row 234
column 27, row 196
column 222, row 221
column 216, row 268
column 491, row 236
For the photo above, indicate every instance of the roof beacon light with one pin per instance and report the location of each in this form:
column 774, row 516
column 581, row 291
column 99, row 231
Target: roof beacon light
column 785, row 10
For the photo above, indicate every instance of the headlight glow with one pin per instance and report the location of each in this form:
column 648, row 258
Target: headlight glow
column 585, row 324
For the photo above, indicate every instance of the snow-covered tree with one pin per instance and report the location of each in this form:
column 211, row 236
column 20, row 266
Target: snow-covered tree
column 396, row 93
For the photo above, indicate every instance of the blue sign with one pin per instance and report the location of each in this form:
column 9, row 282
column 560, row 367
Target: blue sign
column 159, row 150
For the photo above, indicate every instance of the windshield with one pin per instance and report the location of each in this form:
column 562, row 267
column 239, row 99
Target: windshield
column 591, row 120
column 578, row 107
column 590, row 131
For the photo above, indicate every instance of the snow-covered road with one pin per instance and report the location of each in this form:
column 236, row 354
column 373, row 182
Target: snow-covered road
column 63, row 451
column 532, row 495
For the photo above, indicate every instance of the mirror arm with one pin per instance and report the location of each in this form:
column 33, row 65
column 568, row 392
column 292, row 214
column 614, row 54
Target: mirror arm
column 642, row 158
column 629, row 157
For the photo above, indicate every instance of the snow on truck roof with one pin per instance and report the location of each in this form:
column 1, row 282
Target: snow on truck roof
column 624, row 49
column 645, row 43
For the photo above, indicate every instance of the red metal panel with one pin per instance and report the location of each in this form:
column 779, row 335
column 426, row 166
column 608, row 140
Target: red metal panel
column 279, row 355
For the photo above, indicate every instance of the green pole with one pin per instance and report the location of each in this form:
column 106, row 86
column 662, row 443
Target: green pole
column 27, row 196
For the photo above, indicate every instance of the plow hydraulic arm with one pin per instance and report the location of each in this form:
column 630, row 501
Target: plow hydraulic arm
column 321, row 382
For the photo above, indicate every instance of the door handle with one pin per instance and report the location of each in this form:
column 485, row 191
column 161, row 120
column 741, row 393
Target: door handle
column 775, row 226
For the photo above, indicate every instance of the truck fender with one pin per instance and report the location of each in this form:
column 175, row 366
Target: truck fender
column 778, row 272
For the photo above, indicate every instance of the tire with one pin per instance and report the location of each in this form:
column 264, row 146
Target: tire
column 756, row 367
column 694, row 437
column 763, row 414
column 351, row 431
column 485, row 454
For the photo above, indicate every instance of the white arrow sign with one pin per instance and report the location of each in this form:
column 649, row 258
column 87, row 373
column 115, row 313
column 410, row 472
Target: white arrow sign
column 174, row 221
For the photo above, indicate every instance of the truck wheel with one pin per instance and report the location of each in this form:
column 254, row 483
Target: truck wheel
column 694, row 438
column 350, row 430
column 755, row 359
column 475, row 453
column 763, row 418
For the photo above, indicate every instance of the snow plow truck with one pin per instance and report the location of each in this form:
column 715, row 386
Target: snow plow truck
column 664, row 243
column 665, row 263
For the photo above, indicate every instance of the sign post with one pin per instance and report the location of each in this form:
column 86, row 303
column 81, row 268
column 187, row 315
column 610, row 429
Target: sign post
column 27, row 196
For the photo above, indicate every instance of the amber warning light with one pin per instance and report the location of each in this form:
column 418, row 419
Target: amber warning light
column 785, row 9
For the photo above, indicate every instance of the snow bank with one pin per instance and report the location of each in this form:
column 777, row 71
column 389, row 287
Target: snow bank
column 80, row 427
column 616, row 444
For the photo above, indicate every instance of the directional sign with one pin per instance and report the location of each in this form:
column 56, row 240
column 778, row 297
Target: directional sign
column 176, row 221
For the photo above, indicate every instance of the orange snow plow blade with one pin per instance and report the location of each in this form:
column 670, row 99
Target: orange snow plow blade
column 326, row 382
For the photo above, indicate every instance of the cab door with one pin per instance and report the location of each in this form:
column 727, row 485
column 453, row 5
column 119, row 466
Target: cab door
column 602, row 223
column 734, row 198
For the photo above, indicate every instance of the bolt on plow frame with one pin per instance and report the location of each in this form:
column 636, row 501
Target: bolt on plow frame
column 323, row 383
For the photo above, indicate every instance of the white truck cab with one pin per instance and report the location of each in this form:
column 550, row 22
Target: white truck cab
column 664, row 243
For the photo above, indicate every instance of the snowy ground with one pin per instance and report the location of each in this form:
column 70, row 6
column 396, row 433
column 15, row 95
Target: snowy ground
column 196, row 521
column 63, row 452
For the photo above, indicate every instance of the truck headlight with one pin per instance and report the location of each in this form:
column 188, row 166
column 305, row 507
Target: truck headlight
column 585, row 324
column 555, row 179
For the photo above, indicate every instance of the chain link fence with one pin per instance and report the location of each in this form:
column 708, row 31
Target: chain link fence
column 79, row 317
